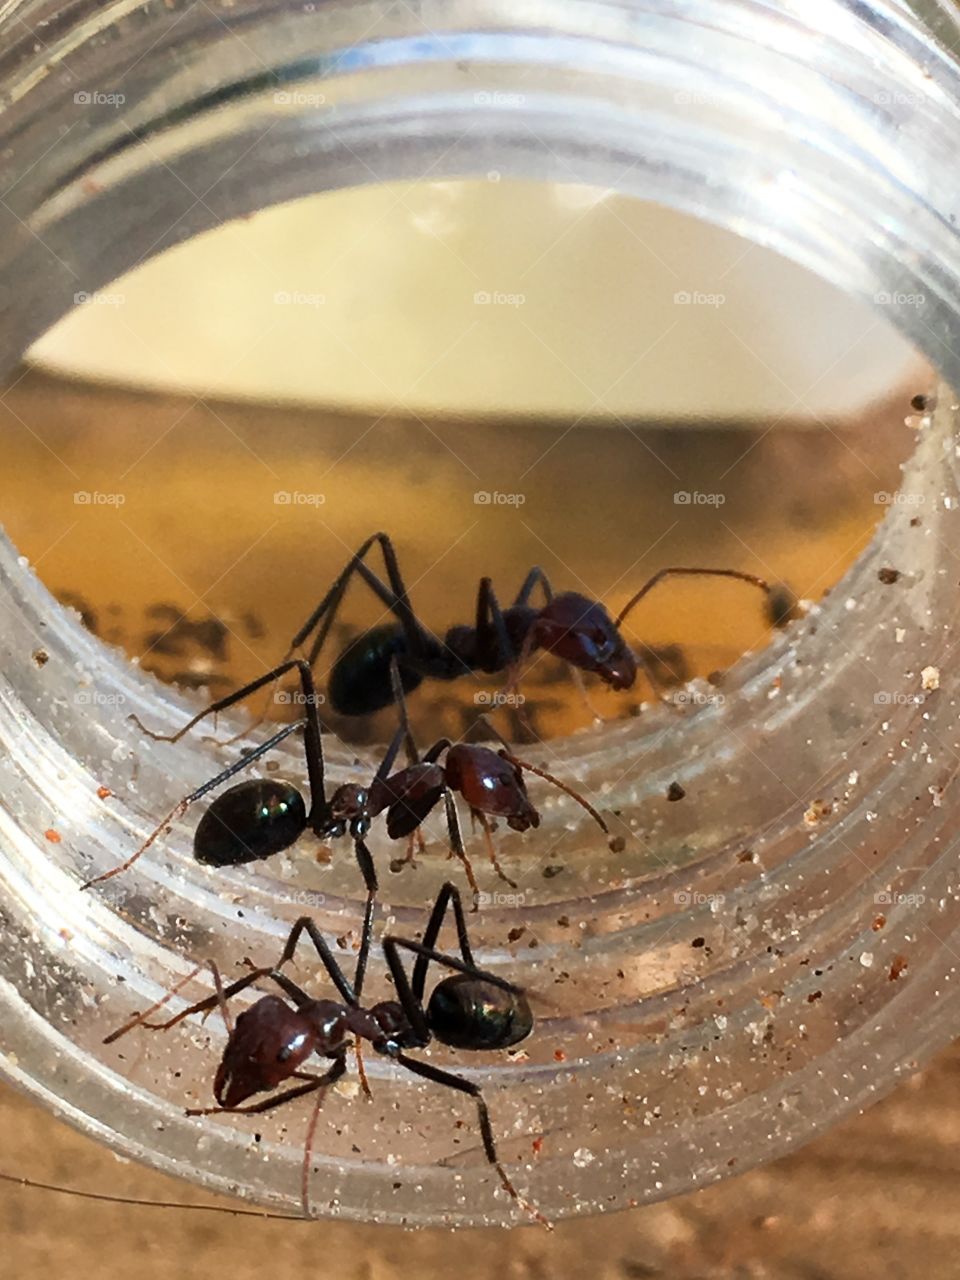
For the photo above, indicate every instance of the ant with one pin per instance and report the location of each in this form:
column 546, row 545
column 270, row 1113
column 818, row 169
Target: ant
column 254, row 820
column 569, row 625
column 274, row 1038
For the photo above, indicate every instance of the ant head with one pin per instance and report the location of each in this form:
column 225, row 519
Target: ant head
column 349, row 809
column 491, row 783
column 269, row 1043
column 581, row 632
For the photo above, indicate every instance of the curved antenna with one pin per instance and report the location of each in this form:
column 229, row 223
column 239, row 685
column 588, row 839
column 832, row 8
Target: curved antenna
column 682, row 572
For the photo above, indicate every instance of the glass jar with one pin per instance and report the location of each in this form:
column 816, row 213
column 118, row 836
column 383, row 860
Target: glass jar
column 751, row 966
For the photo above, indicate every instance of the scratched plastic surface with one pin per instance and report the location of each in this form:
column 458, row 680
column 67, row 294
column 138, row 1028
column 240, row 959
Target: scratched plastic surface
column 701, row 1010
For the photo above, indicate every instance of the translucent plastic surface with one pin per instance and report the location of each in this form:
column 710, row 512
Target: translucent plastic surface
column 749, row 967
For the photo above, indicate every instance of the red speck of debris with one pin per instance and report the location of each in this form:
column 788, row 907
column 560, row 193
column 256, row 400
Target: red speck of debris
column 53, row 836
column 537, row 1146
column 897, row 968
column 559, row 1055
column 878, row 923
column 104, row 792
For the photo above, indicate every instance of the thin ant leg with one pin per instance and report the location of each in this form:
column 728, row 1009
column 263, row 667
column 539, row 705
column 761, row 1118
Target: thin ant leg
column 394, row 597
column 451, row 1081
column 536, row 575
column 489, row 617
column 139, row 1018
column 400, row 701
column 361, row 1069
column 448, row 896
column 278, row 1100
column 369, row 872
column 507, row 754
column 335, row 1072
column 456, row 842
column 491, row 847
column 675, row 572
column 180, row 809
column 231, row 699
column 391, row 944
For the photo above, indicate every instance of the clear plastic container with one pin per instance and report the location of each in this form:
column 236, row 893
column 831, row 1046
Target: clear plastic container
column 721, row 989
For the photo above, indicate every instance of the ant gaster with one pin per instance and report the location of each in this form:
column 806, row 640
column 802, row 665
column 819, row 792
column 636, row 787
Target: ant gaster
column 274, row 1039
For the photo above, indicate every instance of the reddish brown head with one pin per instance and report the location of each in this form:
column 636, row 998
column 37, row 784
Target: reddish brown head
column 269, row 1043
column 491, row 784
column 582, row 633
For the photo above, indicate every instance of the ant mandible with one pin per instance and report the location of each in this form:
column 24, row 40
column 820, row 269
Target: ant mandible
column 256, row 819
column 273, row 1039
column 568, row 625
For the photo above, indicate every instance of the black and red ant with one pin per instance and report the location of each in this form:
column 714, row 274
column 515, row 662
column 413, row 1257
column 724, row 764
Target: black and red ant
column 258, row 818
column 568, row 625
column 274, row 1038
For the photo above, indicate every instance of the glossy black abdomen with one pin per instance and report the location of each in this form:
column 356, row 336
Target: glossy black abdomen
column 359, row 682
column 253, row 820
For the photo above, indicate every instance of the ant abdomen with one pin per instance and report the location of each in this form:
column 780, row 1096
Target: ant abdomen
column 360, row 682
column 253, row 820
column 467, row 1012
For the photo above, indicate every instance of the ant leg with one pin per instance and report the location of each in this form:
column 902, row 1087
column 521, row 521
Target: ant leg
column 394, row 597
column 335, row 1072
column 456, row 842
column 450, row 962
column 369, row 872
column 222, row 704
column 412, row 1006
column 278, row 1100
column 675, row 572
column 140, row 1018
column 536, row 575
column 180, row 809
column 400, row 701
column 327, row 959
column 489, row 619
column 361, row 1069
column 449, row 895
column 491, row 847
column 451, row 1081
